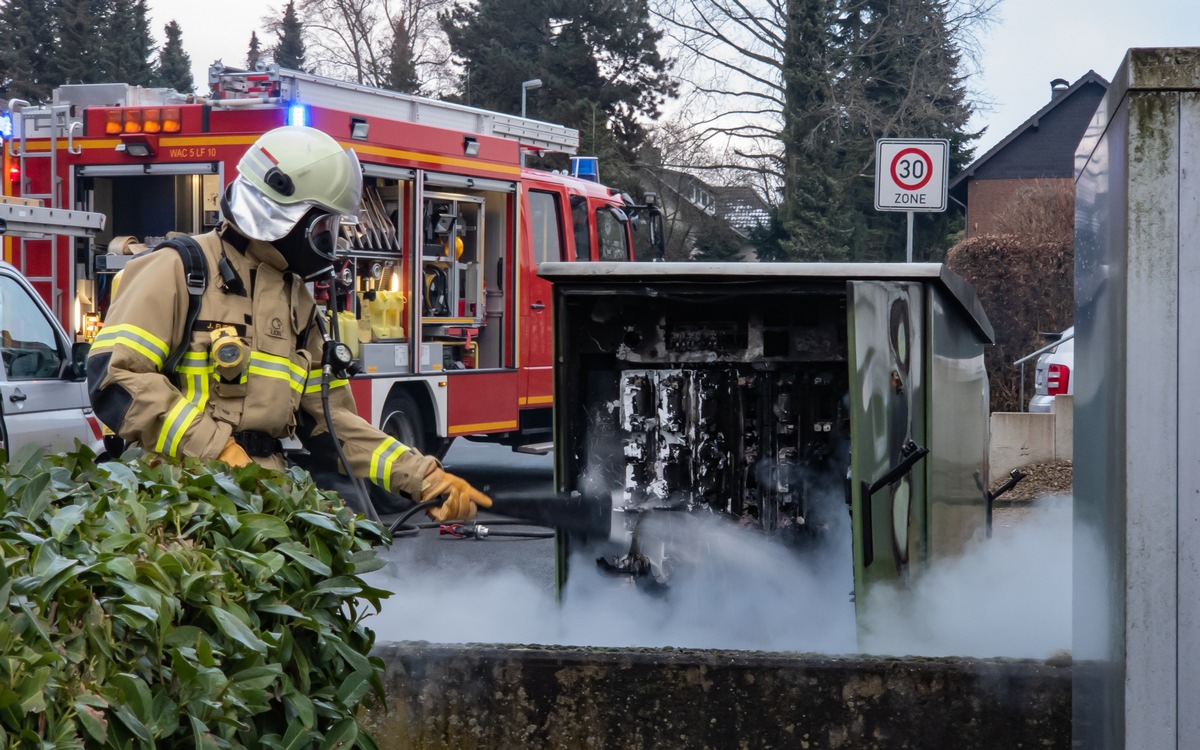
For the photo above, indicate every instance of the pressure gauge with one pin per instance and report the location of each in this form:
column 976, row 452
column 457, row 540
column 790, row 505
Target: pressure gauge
column 338, row 356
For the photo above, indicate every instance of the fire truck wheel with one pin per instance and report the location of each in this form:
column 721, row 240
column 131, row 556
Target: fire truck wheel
column 404, row 422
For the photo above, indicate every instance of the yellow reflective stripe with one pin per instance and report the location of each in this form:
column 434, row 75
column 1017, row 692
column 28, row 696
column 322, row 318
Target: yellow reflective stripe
column 181, row 416
column 139, row 339
column 195, row 359
column 196, row 371
column 278, row 361
column 314, row 382
column 382, row 460
column 272, row 366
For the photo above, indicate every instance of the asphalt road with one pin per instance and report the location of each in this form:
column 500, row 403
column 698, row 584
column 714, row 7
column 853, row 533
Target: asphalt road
column 435, row 578
column 490, row 468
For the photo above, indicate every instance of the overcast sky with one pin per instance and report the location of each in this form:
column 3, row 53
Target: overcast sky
column 1034, row 42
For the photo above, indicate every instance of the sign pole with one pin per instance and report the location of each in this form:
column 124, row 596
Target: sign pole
column 911, row 176
column 910, row 233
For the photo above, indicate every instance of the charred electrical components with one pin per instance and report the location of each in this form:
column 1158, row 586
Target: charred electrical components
column 784, row 397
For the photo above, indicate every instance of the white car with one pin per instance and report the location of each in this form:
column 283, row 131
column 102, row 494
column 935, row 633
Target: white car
column 1055, row 373
column 43, row 380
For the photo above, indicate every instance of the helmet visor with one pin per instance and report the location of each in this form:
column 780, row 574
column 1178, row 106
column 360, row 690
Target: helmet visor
column 322, row 234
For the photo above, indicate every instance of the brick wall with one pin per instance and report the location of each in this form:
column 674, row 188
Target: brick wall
column 988, row 199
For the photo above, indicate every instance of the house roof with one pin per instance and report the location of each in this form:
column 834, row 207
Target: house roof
column 1062, row 103
column 742, row 208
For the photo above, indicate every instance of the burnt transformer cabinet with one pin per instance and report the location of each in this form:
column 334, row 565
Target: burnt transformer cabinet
column 784, row 397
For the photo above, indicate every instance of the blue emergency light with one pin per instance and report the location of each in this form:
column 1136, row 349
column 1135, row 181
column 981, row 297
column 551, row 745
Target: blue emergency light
column 586, row 168
column 297, row 114
column 5, row 126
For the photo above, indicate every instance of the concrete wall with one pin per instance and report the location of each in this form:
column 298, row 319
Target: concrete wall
column 1020, row 438
column 475, row 697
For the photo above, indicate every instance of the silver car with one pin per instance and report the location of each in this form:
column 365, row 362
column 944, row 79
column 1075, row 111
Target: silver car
column 1055, row 373
column 43, row 387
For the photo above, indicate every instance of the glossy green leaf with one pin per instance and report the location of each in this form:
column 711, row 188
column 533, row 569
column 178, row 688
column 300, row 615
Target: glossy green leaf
column 297, row 736
column 234, row 628
column 339, row 586
column 263, row 525
column 342, row 734
column 354, row 687
column 323, row 521
column 149, row 581
column 65, row 520
column 93, row 721
column 297, row 552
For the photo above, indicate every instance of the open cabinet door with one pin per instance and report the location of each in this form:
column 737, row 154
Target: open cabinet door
column 887, row 429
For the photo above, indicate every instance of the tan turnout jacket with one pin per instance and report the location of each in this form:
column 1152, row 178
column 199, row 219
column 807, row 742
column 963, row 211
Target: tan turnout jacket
column 194, row 413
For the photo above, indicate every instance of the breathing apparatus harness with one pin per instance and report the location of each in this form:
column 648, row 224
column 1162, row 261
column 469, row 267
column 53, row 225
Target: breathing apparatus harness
column 230, row 351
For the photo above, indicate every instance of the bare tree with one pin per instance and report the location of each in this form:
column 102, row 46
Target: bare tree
column 735, row 61
column 357, row 40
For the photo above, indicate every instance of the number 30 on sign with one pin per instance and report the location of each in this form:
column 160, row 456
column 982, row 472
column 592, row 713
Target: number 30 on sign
column 911, row 174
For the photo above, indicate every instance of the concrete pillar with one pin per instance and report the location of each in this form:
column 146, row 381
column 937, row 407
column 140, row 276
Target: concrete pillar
column 1136, row 545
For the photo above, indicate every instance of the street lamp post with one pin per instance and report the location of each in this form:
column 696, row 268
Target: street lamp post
column 535, row 83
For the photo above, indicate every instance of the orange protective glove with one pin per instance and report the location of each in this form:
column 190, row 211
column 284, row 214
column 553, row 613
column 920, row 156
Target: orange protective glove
column 461, row 500
column 233, row 454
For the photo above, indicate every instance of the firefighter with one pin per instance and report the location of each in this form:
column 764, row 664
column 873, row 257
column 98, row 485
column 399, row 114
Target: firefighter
column 251, row 372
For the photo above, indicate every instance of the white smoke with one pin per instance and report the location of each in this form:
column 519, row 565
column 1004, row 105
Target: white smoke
column 732, row 589
column 1007, row 596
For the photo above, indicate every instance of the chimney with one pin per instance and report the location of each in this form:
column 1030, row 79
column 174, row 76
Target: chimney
column 651, row 156
column 1058, row 87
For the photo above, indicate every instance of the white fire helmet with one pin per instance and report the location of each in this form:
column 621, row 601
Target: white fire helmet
column 287, row 172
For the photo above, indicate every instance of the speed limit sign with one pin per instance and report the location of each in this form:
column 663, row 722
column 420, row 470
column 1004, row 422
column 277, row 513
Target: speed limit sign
column 911, row 174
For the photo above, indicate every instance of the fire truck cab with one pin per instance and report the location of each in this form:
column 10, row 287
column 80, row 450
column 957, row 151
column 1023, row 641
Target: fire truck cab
column 436, row 291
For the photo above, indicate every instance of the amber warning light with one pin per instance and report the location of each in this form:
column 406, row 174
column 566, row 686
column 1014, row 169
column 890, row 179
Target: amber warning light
column 143, row 120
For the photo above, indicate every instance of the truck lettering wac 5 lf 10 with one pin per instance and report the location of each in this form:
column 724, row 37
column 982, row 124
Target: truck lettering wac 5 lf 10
column 443, row 308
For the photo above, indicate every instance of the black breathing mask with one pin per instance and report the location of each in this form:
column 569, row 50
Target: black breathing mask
column 309, row 248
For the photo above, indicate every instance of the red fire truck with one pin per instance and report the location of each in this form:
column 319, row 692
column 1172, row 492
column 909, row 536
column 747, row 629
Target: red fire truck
column 442, row 303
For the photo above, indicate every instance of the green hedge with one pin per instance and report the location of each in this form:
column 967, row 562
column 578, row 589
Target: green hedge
column 157, row 605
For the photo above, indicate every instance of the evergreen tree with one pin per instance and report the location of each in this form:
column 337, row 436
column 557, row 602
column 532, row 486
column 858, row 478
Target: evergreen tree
column 402, row 68
column 127, row 44
column 289, row 52
column 812, row 213
column 79, row 56
column 769, row 240
column 599, row 64
column 903, row 81
column 716, row 241
column 834, row 76
column 26, row 55
column 254, row 54
column 174, row 65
